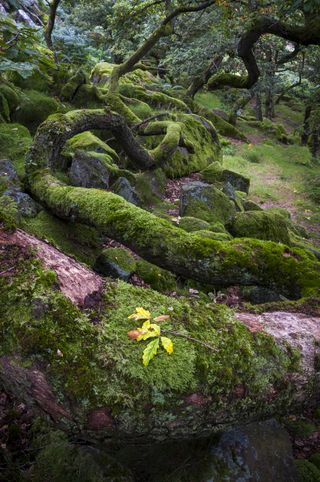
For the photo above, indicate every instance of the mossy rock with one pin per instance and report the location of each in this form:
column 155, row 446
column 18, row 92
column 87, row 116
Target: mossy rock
column 189, row 223
column 159, row 279
column 37, row 81
column 15, row 140
column 301, row 428
column 213, row 172
column 211, row 235
column 216, row 173
column 34, row 108
column 204, row 148
column 116, row 262
column 9, row 100
column 206, row 202
column 307, row 472
column 260, row 225
column 249, row 205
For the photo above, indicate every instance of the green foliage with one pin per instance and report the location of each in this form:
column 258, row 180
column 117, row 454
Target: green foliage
column 20, row 49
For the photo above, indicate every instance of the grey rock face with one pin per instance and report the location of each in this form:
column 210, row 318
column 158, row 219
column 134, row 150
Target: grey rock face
column 260, row 451
column 123, row 188
column 88, row 171
column 206, row 202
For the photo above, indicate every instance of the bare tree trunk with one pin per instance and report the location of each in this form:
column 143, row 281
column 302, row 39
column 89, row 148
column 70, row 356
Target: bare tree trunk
column 306, row 125
column 50, row 24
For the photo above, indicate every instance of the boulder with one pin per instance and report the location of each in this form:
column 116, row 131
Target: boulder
column 258, row 451
column 259, row 294
column 88, row 171
column 159, row 279
column 124, row 188
column 8, row 175
column 189, row 223
column 260, row 225
column 115, row 262
column 215, row 173
column 26, row 206
column 206, row 202
column 251, row 205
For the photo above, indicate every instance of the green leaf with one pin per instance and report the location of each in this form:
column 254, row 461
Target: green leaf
column 150, row 351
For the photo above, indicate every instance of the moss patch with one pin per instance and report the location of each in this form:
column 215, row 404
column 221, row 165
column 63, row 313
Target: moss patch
column 15, row 140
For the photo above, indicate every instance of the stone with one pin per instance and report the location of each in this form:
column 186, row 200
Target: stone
column 239, row 182
column 258, row 451
column 260, row 225
column 123, row 188
column 115, row 262
column 88, row 171
column 189, row 224
column 8, row 175
column 206, row 202
column 251, row 205
column 26, row 206
column 259, row 294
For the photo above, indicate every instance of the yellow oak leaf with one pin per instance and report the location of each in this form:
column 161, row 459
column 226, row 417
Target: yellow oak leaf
column 167, row 344
column 150, row 351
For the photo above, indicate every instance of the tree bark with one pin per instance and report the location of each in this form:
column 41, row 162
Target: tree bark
column 50, row 24
column 306, row 125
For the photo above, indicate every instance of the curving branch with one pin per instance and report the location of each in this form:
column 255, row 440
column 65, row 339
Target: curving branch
column 54, row 4
column 307, row 34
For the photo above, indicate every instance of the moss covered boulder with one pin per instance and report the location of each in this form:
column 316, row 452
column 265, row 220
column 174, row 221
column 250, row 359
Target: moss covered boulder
column 216, row 173
column 116, row 262
column 158, row 279
column 34, row 108
column 260, row 225
column 89, row 171
column 206, row 202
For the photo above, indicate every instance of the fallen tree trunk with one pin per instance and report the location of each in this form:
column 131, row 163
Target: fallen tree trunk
column 293, row 272
column 88, row 378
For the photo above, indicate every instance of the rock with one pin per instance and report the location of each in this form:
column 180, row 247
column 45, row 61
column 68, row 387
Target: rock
column 211, row 235
column 159, row 279
column 88, row 171
column 259, row 294
column 26, row 206
column 8, row 175
column 259, row 451
column 215, row 173
column 251, row 205
column 123, row 188
column 260, row 225
column 206, row 202
column 22, row 16
column 239, row 182
column 188, row 223
column 115, row 262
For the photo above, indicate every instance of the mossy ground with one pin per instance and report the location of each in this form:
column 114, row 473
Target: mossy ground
column 101, row 366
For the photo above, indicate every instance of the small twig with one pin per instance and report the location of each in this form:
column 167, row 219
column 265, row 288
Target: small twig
column 190, row 338
column 6, row 271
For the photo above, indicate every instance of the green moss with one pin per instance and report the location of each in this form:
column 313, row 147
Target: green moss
column 211, row 235
column 102, row 72
column 86, row 141
column 260, row 225
column 101, row 365
column 9, row 100
column 73, row 239
column 34, row 108
column 213, row 172
column 307, row 472
column 8, row 213
column 159, row 279
column 15, row 140
column 189, row 223
column 301, row 428
column 207, row 203
column 315, row 460
column 118, row 262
